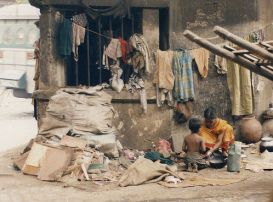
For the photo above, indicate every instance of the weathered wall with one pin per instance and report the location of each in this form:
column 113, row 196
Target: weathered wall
column 240, row 18
column 141, row 131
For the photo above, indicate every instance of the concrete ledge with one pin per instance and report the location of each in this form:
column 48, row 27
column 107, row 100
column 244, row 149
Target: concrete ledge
column 123, row 96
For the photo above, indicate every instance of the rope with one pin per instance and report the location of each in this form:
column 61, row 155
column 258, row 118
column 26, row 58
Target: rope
column 98, row 33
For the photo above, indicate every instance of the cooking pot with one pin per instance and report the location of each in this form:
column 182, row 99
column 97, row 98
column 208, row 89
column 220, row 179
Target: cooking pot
column 266, row 144
column 218, row 161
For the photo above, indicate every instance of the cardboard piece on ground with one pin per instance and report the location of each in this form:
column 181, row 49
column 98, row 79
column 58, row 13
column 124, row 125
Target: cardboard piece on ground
column 31, row 170
column 252, row 165
column 202, row 181
column 35, row 156
column 56, row 161
column 73, row 141
column 20, row 161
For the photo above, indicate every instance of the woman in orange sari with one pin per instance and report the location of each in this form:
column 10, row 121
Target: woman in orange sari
column 217, row 133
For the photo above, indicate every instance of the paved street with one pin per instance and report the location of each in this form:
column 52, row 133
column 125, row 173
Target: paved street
column 16, row 120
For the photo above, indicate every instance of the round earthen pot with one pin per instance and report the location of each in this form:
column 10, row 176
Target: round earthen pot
column 251, row 129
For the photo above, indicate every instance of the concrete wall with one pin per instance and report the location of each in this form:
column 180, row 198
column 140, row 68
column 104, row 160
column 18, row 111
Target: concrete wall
column 240, row 18
column 52, row 70
column 141, row 131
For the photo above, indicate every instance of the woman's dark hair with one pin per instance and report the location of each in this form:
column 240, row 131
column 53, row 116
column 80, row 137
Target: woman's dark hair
column 210, row 113
column 195, row 125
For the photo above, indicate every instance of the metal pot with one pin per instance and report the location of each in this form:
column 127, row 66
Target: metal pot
column 266, row 144
column 218, row 161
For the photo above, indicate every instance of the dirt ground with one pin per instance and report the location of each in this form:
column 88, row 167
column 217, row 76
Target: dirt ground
column 15, row 186
column 18, row 127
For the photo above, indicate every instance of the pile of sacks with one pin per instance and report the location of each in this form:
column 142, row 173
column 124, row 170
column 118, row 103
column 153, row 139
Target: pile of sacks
column 76, row 134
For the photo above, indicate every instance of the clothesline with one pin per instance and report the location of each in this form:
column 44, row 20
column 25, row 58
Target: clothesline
column 98, row 33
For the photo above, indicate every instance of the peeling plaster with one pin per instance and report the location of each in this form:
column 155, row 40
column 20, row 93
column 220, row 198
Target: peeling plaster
column 158, row 123
column 134, row 122
column 130, row 111
column 116, row 114
column 120, row 126
column 140, row 133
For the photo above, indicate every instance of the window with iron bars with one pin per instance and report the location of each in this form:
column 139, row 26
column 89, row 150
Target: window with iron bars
column 89, row 70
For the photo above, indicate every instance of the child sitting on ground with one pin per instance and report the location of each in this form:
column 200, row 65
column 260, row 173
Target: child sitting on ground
column 194, row 145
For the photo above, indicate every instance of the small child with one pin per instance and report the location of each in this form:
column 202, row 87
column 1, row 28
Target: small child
column 194, row 145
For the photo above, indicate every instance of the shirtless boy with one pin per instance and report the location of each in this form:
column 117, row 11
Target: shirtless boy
column 194, row 145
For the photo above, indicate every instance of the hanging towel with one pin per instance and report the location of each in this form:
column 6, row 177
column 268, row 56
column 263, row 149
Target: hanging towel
column 139, row 43
column 65, row 38
column 201, row 56
column 183, row 82
column 113, row 50
column 164, row 75
column 240, row 88
column 78, row 34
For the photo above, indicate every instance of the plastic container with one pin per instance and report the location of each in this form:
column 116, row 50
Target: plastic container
column 234, row 157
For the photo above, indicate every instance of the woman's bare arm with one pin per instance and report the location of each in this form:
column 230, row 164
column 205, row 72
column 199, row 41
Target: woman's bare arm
column 217, row 144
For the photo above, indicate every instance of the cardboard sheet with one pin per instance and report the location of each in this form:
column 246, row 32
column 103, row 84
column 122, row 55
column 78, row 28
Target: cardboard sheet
column 56, row 161
column 20, row 161
column 35, row 156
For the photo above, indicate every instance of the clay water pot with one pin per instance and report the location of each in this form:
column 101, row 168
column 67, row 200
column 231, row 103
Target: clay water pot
column 251, row 129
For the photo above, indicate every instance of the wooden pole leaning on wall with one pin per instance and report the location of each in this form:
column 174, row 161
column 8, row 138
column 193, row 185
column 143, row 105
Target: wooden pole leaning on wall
column 252, row 48
column 228, row 55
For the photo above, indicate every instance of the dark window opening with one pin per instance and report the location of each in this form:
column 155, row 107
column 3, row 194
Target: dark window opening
column 164, row 29
column 89, row 69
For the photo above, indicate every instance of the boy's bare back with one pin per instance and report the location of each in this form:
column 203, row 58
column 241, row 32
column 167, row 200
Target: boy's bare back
column 194, row 143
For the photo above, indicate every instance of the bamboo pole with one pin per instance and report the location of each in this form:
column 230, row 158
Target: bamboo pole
column 252, row 48
column 228, row 55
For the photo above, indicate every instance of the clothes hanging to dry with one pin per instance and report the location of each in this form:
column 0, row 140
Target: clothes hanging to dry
column 65, row 38
column 163, row 95
column 184, row 110
column 240, row 87
column 183, row 76
column 139, row 43
column 164, row 75
column 201, row 56
column 78, row 34
column 114, row 50
column 221, row 64
column 137, row 84
column 124, row 45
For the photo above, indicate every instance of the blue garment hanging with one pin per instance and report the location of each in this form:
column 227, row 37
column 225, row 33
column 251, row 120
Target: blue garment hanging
column 65, row 38
column 183, row 76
